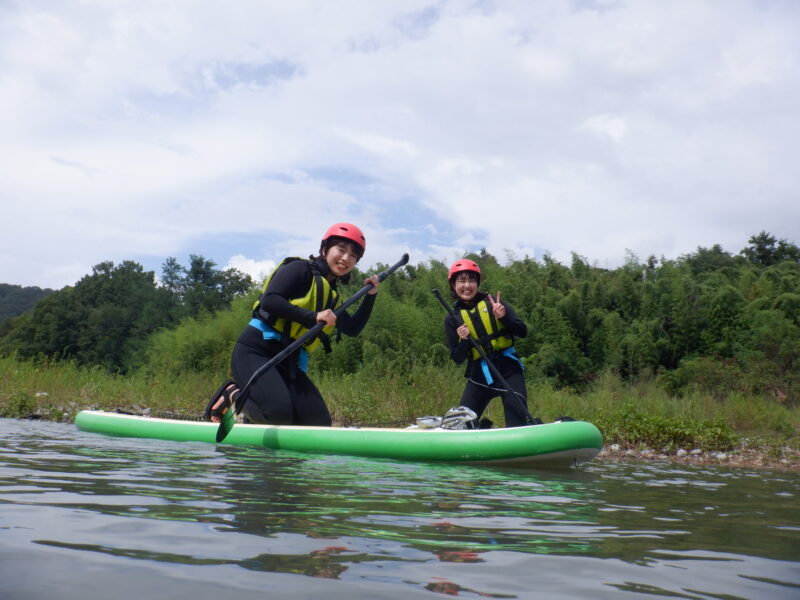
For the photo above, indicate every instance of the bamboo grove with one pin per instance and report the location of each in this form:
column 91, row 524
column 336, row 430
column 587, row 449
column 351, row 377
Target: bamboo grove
column 709, row 320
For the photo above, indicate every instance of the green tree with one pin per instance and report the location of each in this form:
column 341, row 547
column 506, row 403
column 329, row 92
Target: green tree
column 96, row 322
column 15, row 299
column 765, row 250
column 723, row 320
column 639, row 347
column 605, row 343
column 710, row 259
column 201, row 286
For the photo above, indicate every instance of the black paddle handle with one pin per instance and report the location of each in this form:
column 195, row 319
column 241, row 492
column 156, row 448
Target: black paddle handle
column 495, row 371
column 303, row 339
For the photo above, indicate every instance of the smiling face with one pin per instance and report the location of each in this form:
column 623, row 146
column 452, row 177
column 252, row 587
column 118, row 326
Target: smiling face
column 465, row 285
column 341, row 258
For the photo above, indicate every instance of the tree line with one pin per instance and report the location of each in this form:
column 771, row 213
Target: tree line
column 16, row 299
column 106, row 318
column 723, row 322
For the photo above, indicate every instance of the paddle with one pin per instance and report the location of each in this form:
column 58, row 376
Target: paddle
column 518, row 405
column 228, row 419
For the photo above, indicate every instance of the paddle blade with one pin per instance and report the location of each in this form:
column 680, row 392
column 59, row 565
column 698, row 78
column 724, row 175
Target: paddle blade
column 226, row 424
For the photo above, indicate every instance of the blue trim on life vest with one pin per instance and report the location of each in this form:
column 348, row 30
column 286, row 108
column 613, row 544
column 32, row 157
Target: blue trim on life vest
column 271, row 334
column 268, row 332
column 486, row 375
column 510, row 353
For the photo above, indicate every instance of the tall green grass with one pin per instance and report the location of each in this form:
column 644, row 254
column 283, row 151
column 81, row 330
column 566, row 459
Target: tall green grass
column 633, row 415
column 58, row 390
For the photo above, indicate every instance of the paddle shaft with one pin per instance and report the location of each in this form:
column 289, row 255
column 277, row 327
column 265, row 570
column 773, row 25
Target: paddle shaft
column 519, row 404
column 308, row 335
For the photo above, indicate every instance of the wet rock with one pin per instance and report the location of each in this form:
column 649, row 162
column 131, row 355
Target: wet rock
column 748, row 457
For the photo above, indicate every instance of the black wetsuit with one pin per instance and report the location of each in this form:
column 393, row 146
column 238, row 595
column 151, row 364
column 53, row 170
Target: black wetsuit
column 477, row 393
column 285, row 394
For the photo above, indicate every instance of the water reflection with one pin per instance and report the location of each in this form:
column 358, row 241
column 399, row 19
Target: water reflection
column 685, row 508
column 426, row 507
column 450, row 529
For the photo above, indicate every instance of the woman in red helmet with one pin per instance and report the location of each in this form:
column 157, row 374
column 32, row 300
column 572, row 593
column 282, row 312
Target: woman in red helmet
column 296, row 296
column 494, row 324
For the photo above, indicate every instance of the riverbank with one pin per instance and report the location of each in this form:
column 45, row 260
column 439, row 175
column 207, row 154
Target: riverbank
column 783, row 458
column 639, row 421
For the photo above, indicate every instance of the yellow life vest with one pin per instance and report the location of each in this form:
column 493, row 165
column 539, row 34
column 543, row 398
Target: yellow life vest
column 320, row 296
column 490, row 333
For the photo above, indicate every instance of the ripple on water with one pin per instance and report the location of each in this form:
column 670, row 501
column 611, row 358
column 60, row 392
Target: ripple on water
column 206, row 520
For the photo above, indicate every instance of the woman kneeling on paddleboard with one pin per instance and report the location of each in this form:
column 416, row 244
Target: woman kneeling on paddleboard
column 494, row 325
column 299, row 294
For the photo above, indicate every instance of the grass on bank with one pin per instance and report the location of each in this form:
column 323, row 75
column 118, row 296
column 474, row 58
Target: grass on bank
column 633, row 415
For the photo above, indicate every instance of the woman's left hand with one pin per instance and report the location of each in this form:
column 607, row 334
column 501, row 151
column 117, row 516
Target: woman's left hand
column 498, row 309
column 375, row 282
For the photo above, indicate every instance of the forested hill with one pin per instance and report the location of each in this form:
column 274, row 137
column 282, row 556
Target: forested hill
column 15, row 299
column 106, row 317
column 729, row 323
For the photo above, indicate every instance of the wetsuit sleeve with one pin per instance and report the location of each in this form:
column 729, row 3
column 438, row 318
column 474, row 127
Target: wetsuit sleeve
column 292, row 280
column 513, row 323
column 353, row 324
column 459, row 349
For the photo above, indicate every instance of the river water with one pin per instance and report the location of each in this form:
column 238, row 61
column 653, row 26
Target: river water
column 85, row 516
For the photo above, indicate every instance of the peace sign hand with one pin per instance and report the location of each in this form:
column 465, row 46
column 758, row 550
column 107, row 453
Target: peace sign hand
column 498, row 309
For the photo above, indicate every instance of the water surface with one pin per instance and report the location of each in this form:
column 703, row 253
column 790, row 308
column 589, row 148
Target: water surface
column 86, row 516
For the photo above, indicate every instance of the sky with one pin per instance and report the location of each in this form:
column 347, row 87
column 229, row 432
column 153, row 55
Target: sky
column 239, row 131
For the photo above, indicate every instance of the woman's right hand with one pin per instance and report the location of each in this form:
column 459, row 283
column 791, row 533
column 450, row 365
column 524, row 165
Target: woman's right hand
column 328, row 316
column 463, row 332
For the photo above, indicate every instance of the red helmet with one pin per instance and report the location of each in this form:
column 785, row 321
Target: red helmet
column 463, row 265
column 347, row 231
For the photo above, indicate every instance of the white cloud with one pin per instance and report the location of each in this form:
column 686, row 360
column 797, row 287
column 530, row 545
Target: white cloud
column 611, row 126
column 139, row 129
column 257, row 269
